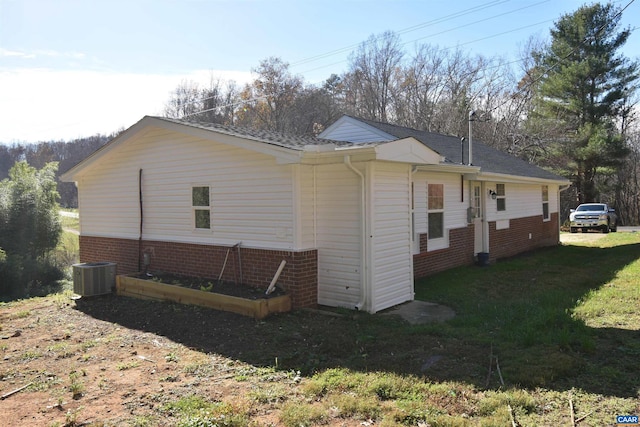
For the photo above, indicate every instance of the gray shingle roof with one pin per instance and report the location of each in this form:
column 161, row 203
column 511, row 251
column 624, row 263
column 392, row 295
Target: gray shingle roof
column 280, row 139
column 487, row 158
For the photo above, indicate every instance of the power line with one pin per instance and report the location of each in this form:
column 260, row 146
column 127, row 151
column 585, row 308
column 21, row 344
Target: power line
column 404, row 31
column 461, row 44
column 448, row 17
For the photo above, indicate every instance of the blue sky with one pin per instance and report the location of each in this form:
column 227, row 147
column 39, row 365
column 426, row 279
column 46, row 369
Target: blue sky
column 73, row 68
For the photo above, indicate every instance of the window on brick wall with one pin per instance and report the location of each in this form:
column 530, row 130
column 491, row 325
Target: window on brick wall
column 545, row 203
column 501, row 197
column 201, row 206
column 435, row 207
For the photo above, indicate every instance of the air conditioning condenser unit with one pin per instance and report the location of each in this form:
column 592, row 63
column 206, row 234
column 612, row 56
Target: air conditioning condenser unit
column 94, row 278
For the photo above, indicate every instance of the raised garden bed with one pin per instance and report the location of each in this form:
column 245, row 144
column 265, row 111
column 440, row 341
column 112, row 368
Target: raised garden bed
column 234, row 298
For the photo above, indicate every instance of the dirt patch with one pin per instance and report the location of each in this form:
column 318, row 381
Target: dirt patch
column 122, row 361
column 82, row 370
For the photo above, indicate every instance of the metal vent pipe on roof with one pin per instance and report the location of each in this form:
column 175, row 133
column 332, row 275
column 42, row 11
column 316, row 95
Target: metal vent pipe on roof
column 472, row 115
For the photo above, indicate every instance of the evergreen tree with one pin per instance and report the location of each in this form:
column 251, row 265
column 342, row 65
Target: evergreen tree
column 583, row 87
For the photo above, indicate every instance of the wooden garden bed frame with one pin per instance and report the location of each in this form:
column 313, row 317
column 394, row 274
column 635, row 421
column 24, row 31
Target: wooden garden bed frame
column 128, row 285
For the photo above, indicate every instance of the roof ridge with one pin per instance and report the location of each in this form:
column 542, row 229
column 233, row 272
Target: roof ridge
column 376, row 122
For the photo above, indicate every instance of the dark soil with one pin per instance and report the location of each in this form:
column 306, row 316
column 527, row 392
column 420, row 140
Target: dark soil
column 212, row 285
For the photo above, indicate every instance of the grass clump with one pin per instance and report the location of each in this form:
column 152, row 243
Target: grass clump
column 269, row 394
column 195, row 411
column 127, row 365
column 302, row 414
column 76, row 387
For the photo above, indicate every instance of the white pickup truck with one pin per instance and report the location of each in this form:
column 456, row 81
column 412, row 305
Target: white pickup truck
column 593, row 216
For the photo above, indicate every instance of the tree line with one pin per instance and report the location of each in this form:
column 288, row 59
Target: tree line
column 65, row 154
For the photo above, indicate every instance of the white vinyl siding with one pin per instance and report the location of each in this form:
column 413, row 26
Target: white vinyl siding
column 348, row 129
column 339, row 238
column 307, row 207
column 392, row 260
column 523, row 201
column 251, row 196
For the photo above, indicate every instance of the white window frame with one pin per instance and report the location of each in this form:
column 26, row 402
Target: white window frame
column 195, row 208
column 476, row 202
column 501, row 195
column 436, row 211
column 546, row 214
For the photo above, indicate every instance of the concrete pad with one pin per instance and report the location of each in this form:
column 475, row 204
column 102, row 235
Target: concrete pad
column 421, row 312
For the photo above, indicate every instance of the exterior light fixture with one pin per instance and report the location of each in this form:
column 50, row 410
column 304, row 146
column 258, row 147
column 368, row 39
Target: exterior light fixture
column 493, row 194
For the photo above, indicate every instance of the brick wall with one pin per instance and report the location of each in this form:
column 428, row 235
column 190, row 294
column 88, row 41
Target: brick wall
column 502, row 244
column 124, row 252
column 256, row 266
column 515, row 239
column 459, row 253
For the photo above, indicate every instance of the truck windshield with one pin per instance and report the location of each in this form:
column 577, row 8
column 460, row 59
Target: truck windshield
column 583, row 208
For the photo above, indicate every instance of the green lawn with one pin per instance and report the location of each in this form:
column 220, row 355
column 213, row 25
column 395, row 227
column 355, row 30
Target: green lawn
column 559, row 325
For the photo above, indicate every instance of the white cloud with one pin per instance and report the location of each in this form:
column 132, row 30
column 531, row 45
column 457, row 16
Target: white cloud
column 41, row 104
column 15, row 54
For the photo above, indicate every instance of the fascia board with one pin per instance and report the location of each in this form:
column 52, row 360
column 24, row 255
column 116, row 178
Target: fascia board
column 500, row 177
column 451, row 168
column 282, row 155
column 69, row 176
column 357, row 154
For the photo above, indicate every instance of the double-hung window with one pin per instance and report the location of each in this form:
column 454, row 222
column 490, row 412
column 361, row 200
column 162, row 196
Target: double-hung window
column 545, row 203
column 501, row 199
column 435, row 208
column 201, row 206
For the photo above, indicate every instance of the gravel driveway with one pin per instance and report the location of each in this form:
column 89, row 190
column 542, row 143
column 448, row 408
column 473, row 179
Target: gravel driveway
column 580, row 237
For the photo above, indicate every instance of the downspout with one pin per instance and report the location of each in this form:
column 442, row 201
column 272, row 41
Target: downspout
column 315, row 207
column 363, row 233
column 141, row 219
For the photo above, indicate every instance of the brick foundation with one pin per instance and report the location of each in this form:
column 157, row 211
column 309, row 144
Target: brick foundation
column 502, row 244
column 515, row 239
column 299, row 277
column 459, row 253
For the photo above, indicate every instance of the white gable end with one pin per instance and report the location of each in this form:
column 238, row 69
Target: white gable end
column 408, row 150
column 352, row 130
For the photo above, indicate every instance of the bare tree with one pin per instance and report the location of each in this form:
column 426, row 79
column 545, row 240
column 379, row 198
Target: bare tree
column 184, row 100
column 372, row 76
column 421, row 88
column 270, row 99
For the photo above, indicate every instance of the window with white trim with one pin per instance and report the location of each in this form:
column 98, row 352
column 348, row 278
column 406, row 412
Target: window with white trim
column 201, row 206
column 545, row 203
column 435, row 211
column 501, row 199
